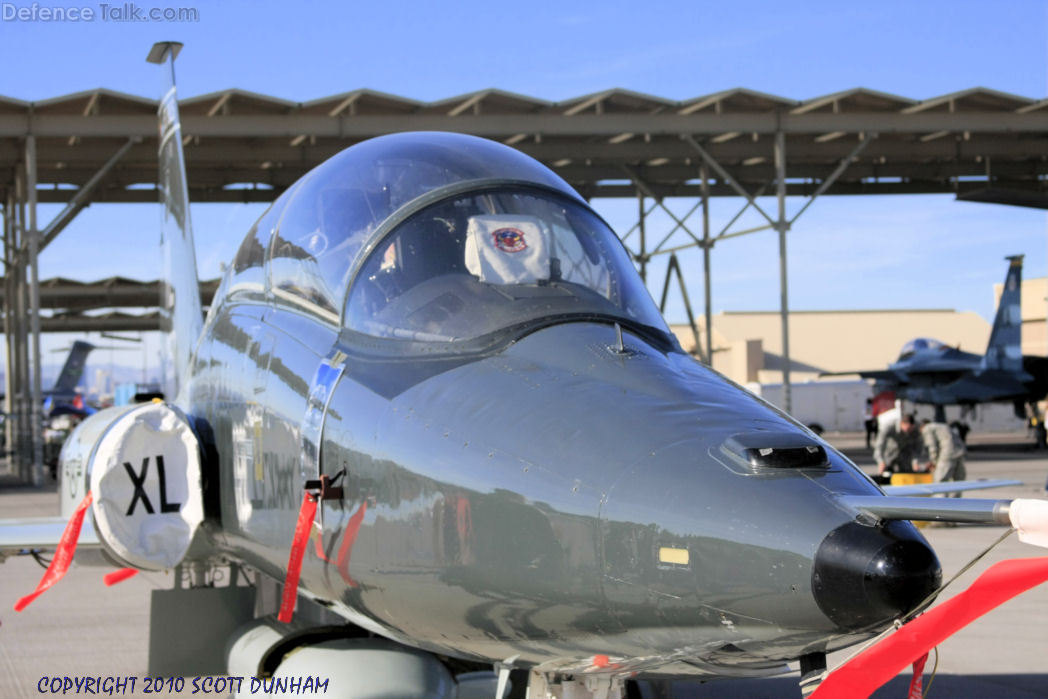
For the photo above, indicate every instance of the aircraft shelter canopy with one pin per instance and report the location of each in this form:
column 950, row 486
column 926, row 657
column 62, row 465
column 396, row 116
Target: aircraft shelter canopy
column 241, row 146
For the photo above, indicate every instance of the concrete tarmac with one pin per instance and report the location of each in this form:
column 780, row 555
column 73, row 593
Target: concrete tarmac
column 81, row 628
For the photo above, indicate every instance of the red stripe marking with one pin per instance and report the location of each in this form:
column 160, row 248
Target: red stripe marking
column 348, row 539
column 294, row 561
column 864, row 673
column 63, row 554
column 119, row 576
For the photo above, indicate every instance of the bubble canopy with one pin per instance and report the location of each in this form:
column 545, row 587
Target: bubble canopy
column 920, row 344
column 446, row 238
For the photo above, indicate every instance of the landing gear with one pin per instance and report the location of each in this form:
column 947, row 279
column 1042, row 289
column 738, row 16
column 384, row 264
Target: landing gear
column 813, row 671
column 541, row 686
column 1035, row 421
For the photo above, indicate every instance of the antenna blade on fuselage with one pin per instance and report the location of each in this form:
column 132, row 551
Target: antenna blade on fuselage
column 181, row 318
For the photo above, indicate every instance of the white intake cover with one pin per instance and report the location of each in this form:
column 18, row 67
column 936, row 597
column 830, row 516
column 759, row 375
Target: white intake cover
column 507, row 249
column 1030, row 519
column 145, row 479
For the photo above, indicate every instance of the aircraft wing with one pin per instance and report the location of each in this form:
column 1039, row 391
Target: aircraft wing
column 944, row 372
column 24, row 533
column 876, row 374
column 946, row 487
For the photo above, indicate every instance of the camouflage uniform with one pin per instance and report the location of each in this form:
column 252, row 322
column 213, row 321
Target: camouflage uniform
column 897, row 448
column 946, row 450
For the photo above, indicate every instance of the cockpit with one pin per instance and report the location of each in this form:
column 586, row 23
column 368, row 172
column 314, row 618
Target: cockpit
column 441, row 238
column 919, row 344
column 478, row 262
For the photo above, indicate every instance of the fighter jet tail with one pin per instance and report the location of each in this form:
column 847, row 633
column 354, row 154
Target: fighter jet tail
column 1005, row 348
column 181, row 318
column 73, row 368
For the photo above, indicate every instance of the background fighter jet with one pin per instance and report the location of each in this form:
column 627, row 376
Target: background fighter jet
column 931, row 372
column 64, row 390
column 434, row 421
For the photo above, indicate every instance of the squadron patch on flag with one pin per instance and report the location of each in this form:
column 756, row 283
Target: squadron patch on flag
column 509, row 240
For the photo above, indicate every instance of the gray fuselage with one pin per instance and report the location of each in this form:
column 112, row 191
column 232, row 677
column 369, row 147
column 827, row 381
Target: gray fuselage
column 515, row 502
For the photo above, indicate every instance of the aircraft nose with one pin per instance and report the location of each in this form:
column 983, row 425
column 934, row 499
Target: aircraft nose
column 865, row 575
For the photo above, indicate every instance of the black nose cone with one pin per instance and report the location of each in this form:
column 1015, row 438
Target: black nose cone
column 866, row 575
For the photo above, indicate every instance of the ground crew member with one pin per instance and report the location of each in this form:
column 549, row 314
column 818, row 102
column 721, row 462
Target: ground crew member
column 870, row 422
column 897, row 447
column 945, row 451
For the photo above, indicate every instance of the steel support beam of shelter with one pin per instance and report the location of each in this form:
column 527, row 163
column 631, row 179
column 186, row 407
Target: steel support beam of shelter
column 23, row 241
column 779, row 223
column 10, row 423
column 20, row 444
column 82, row 198
column 32, row 249
column 783, row 226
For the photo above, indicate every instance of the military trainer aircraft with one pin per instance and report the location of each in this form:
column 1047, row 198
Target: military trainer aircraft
column 933, row 373
column 435, row 423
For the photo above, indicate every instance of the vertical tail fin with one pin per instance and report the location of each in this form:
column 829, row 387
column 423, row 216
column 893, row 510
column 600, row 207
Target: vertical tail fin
column 1005, row 348
column 73, row 368
column 181, row 317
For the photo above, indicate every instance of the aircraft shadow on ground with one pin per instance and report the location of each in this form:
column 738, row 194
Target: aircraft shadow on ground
column 1014, row 686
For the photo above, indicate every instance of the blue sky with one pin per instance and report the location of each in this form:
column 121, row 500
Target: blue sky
column 845, row 252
